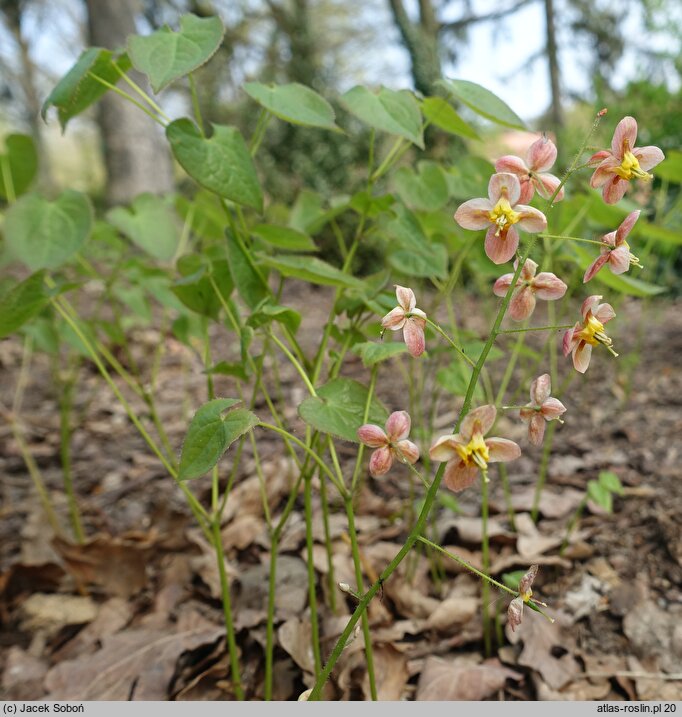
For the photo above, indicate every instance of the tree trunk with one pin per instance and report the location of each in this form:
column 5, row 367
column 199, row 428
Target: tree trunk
column 136, row 155
column 556, row 113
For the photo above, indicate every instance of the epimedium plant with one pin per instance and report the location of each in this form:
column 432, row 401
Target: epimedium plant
column 228, row 266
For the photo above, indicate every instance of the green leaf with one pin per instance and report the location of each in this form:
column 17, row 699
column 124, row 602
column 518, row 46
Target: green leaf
column 150, row 224
column 165, row 56
column 210, row 434
column 251, row 286
column 22, row 303
column 268, row 313
column 455, row 379
column 43, row 234
column 469, row 177
column 224, row 368
column 77, row 90
column 294, row 103
column 339, row 408
column 483, row 102
column 620, row 282
column 311, row 269
column 611, row 482
column 284, row 237
column 447, row 500
column 512, row 580
column 426, row 190
column 670, row 168
column 600, row 495
column 441, row 113
column 18, row 164
column 657, row 233
column 195, row 289
column 372, row 352
column 221, row 163
column 395, row 112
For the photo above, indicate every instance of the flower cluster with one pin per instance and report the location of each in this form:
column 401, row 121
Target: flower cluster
column 390, row 444
column 545, row 286
column 579, row 340
column 542, row 408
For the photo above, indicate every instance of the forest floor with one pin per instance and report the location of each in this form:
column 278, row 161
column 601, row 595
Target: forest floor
column 135, row 612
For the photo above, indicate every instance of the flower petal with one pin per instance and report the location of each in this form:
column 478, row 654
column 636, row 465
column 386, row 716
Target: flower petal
column 501, row 286
column 598, row 157
column 604, row 313
column 522, row 304
column 532, row 219
column 626, row 131
column 474, row 214
column 581, row 356
column 444, row 448
column 527, row 580
column 569, row 340
column 394, row 319
column 501, row 450
column 413, row 333
column 480, row 420
column 527, row 270
column 406, row 298
column 590, row 305
column 547, row 184
column 541, row 155
column 626, row 227
column 594, row 267
column 614, row 189
column 536, row 429
column 512, row 164
column 515, row 613
column 501, row 249
column 552, row 408
column 380, row 462
column 548, row 286
column 408, row 451
column 540, row 389
column 372, row 436
column 648, row 157
column 619, row 259
column 457, row 476
column 527, row 189
column 504, row 183
column 604, row 172
column 527, row 412
column 398, row 426
column 609, row 239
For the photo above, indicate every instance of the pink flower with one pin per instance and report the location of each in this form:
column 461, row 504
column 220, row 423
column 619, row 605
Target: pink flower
column 408, row 318
column 499, row 213
column 542, row 408
column 616, row 251
column 390, row 444
column 532, row 173
column 467, row 452
column 545, row 285
column 515, row 610
column 623, row 162
column 583, row 336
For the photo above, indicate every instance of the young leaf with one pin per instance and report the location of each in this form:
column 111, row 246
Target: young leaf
column 600, row 495
column 310, row 269
column 611, row 482
column 150, row 223
column 18, row 164
column 483, row 102
column 284, row 237
column 250, row 284
column 78, row 89
column 221, row 163
column 441, row 114
column 165, row 56
column 195, row 289
column 22, row 303
column 209, row 435
column 294, row 103
column 339, row 407
column 43, row 234
column 389, row 111
column 268, row 313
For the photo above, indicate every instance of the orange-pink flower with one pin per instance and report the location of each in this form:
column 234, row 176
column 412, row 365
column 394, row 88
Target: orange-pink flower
column 583, row 336
column 468, row 451
column 500, row 214
column 616, row 251
column 408, row 318
column 532, row 173
column 624, row 162
column 515, row 610
column 542, row 408
column 389, row 444
column 545, row 286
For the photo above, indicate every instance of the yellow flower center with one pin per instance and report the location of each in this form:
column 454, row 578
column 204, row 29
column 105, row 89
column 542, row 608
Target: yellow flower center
column 475, row 453
column 593, row 333
column 503, row 216
column 527, row 595
column 630, row 168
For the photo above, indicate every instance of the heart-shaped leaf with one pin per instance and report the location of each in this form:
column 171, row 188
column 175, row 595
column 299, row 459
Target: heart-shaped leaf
column 339, row 409
column 43, row 234
column 483, row 102
column 22, row 303
column 294, row 103
column 150, row 223
column 165, row 56
column 18, row 164
column 221, row 163
column 441, row 113
column 425, row 190
column 195, row 288
column 395, row 112
column 210, row 434
column 78, row 89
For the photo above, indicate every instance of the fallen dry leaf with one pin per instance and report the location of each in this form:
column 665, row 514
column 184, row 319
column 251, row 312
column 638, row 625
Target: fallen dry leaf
column 654, row 632
column 651, row 683
column 295, row 637
column 531, row 541
column 390, row 674
column 444, row 680
column 452, row 613
column 52, row 612
column 552, row 505
column 291, row 587
column 23, row 675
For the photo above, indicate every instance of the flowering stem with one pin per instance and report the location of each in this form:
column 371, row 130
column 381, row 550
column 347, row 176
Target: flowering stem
column 485, row 561
column 542, row 475
column 295, row 363
column 586, row 241
column 537, row 328
column 312, row 594
column 459, row 350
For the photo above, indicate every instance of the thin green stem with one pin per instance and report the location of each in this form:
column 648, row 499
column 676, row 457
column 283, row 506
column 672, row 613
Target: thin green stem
column 312, row 591
column 506, row 488
column 580, row 239
column 457, row 348
column 537, row 328
column 295, row 363
column 542, row 474
column 331, row 577
column 65, row 408
column 138, row 90
column 196, row 108
column 485, row 561
column 389, row 159
column 7, row 180
column 259, row 132
column 127, row 97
